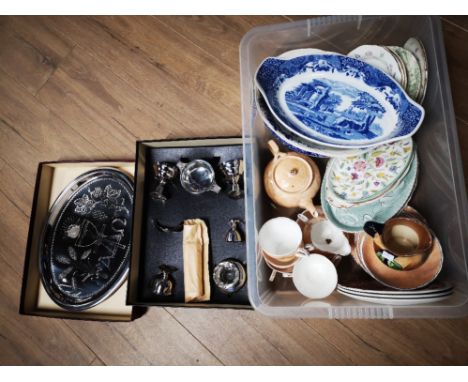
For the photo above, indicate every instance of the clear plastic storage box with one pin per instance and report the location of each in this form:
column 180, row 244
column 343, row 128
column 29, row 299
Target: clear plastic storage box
column 440, row 196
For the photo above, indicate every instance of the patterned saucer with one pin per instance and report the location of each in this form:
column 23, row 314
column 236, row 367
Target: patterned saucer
column 363, row 177
column 413, row 70
column 382, row 59
column 352, row 219
column 415, row 46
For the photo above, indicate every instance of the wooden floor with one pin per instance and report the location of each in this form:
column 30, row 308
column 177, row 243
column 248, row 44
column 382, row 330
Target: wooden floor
column 87, row 88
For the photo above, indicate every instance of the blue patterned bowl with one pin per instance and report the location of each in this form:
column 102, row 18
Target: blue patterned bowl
column 294, row 142
column 337, row 101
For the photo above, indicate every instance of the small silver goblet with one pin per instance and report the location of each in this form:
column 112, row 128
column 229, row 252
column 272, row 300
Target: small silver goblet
column 162, row 284
column 164, row 172
column 232, row 171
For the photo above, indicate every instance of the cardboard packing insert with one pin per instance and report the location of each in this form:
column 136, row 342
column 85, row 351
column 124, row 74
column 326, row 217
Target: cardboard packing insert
column 52, row 178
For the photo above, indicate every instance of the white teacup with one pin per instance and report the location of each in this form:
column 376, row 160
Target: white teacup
column 315, row 276
column 280, row 240
column 326, row 237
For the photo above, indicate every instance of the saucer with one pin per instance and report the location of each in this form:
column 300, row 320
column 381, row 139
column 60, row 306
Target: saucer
column 413, row 88
column 382, row 59
column 395, row 300
column 352, row 219
column 410, row 279
column 415, row 46
column 428, row 291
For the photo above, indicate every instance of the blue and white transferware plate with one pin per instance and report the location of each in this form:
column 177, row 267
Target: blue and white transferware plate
column 337, row 101
column 302, row 52
column 294, row 142
column 352, row 219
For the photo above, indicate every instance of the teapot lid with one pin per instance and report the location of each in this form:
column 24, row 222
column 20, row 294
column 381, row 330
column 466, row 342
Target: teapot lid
column 293, row 174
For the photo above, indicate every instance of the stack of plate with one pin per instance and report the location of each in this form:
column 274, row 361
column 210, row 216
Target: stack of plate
column 327, row 104
column 407, row 65
column 399, row 297
column 371, row 186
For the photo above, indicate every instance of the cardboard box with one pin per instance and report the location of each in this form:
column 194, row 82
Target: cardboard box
column 151, row 248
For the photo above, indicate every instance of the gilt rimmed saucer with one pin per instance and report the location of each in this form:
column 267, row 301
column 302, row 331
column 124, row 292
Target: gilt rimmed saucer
column 380, row 58
column 416, row 46
column 413, row 70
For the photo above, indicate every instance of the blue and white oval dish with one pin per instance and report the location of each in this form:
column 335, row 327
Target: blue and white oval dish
column 294, row 142
column 337, row 101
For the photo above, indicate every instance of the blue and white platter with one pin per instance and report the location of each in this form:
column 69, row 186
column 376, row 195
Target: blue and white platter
column 337, row 101
column 294, row 142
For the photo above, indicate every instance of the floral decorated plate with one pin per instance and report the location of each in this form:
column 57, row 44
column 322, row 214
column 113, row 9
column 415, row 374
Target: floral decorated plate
column 86, row 243
column 294, row 142
column 413, row 70
column 381, row 58
column 415, row 46
column 337, row 101
column 401, row 65
column 362, row 177
column 352, row 219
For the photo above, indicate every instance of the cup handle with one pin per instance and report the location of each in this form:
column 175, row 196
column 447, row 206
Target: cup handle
column 302, row 252
column 302, row 217
column 373, row 228
column 272, row 276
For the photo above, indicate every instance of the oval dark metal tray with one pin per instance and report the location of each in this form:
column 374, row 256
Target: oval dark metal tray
column 86, row 242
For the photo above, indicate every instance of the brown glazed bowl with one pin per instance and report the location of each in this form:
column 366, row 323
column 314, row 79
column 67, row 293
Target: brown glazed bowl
column 399, row 279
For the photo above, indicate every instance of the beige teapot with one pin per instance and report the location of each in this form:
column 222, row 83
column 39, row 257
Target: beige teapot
column 291, row 179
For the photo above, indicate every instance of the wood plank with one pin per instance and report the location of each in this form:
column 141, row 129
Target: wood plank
column 81, row 88
column 414, row 342
column 297, row 341
column 29, row 54
column 459, row 21
column 226, row 334
column 38, row 126
column 27, row 340
column 183, row 62
column 344, row 340
column 154, row 339
column 168, row 94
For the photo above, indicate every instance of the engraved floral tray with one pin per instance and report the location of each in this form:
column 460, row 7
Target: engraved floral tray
column 86, row 243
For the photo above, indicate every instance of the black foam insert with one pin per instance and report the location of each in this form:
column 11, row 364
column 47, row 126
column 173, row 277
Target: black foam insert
column 216, row 210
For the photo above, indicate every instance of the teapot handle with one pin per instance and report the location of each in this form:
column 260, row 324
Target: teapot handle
column 308, row 204
column 274, row 149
